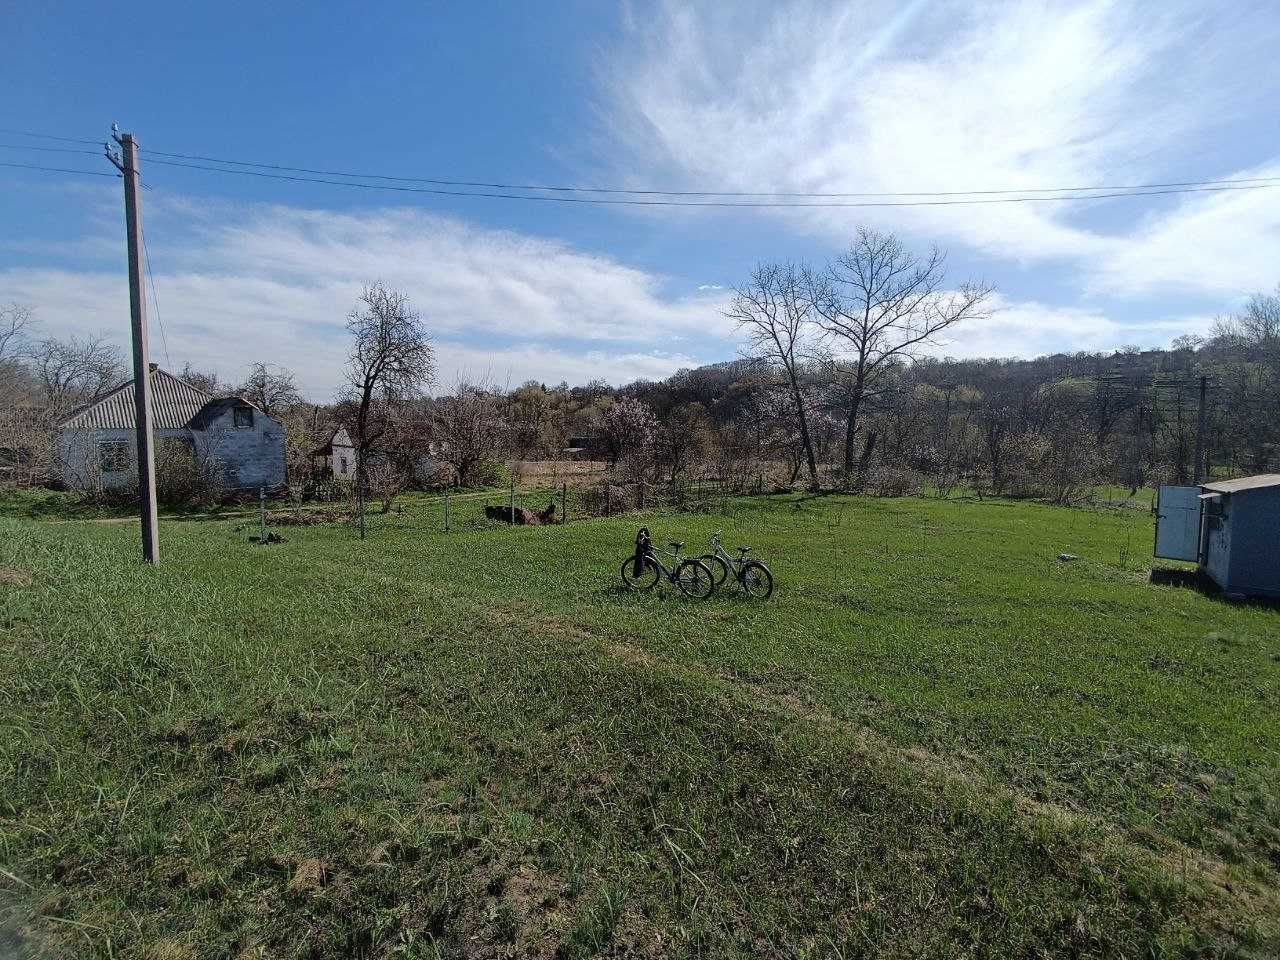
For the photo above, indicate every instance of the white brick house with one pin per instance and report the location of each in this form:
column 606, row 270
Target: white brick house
column 242, row 447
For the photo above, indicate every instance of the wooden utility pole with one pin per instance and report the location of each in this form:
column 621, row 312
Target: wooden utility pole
column 127, row 164
column 1199, row 464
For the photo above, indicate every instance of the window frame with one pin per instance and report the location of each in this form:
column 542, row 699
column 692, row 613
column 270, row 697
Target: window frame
column 118, row 461
column 238, row 413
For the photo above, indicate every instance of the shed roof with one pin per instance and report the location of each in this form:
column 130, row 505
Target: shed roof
column 1258, row 482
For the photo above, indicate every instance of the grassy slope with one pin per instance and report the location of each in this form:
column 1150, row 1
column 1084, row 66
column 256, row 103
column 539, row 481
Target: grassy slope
column 935, row 739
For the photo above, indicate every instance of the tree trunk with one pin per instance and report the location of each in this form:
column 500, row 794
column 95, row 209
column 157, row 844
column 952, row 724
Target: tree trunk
column 804, row 434
column 867, row 449
column 851, row 433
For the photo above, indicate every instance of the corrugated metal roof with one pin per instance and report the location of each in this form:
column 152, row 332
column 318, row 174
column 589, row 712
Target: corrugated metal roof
column 173, row 403
column 1258, row 482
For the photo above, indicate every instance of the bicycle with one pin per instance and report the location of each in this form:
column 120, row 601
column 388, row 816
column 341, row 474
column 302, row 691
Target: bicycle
column 753, row 577
column 643, row 569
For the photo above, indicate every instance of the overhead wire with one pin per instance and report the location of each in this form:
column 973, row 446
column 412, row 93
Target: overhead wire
column 34, row 146
column 36, row 166
column 648, row 197
column 47, row 136
column 620, row 201
column 703, row 193
column 155, row 299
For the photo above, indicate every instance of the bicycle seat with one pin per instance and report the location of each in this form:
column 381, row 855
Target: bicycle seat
column 676, row 545
column 744, row 549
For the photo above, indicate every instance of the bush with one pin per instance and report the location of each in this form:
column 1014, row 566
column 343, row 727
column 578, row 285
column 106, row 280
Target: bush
column 893, row 480
column 609, row 498
column 489, row 473
column 182, row 477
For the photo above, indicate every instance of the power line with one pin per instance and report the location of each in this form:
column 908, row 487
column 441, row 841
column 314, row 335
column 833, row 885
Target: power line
column 32, row 146
column 704, row 193
column 151, row 276
column 48, row 136
column 705, row 203
column 36, row 166
column 621, row 196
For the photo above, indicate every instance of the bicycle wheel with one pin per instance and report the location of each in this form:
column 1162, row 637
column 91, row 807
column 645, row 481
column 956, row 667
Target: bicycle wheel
column 757, row 580
column 719, row 569
column 642, row 575
column 695, row 579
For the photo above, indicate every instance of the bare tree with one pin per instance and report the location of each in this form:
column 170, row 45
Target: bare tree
column 878, row 304
column 774, row 310
column 74, row 371
column 391, row 361
column 15, row 320
column 271, row 388
column 17, row 385
column 201, row 380
column 470, row 429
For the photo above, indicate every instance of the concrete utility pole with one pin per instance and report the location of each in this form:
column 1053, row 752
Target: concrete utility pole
column 127, row 164
column 1199, row 464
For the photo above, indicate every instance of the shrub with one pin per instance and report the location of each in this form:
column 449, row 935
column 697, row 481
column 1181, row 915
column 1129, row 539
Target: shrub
column 893, row 480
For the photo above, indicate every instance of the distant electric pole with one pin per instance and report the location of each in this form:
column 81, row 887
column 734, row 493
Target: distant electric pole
column 1199, row 465
column 127, row 163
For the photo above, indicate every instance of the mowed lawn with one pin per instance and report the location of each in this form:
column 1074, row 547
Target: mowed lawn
column 936, row 739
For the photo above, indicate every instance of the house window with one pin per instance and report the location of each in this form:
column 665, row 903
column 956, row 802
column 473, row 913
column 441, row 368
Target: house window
column 243, row 417
column 342, row 465
column 113, row 456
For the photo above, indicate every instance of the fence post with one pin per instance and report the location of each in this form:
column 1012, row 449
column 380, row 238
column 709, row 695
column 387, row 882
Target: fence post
column 606, row 498
column 511, row 499
column 446, row 509
column 262, row 514
column 564, row 502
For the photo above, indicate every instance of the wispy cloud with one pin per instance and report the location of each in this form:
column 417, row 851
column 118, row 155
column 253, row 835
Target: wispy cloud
column 968, row 96
column 1029, row 328
column 276, row 283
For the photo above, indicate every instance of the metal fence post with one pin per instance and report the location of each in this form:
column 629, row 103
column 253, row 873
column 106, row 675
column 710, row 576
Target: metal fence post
column 446, row 509
column 262, row 514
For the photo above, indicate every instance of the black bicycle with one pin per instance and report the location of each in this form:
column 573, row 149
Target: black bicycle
column 643, row 569
column 753, row 576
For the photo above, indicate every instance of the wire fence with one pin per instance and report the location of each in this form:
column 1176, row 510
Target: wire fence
column 569, row 492
column 537, row 497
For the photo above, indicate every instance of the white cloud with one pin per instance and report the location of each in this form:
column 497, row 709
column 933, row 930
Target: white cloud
column 550, row 365
column 945, row 96
column 276, row 283
column 1222, row 243
column 1029, row 329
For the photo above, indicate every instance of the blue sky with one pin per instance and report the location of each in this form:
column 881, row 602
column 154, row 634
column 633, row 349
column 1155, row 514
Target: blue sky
column 920, row 96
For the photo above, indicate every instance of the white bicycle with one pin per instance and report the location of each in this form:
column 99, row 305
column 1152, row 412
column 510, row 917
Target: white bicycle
column 752, row 576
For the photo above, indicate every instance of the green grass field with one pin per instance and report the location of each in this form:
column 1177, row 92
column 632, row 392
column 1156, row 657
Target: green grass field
column 936, row 739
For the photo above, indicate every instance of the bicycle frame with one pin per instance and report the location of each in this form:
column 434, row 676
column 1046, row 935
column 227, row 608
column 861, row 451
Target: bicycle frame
column 667, row 574
column 735, row 564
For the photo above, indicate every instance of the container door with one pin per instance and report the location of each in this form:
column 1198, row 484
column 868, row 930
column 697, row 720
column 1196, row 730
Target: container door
column 1178, row 523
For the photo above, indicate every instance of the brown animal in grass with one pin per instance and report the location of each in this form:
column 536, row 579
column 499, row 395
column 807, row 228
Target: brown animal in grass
column 521, row 516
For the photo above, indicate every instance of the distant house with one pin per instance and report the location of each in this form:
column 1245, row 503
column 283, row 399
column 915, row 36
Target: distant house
column 583, row 447
column 242, row 447
column 337, row 458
